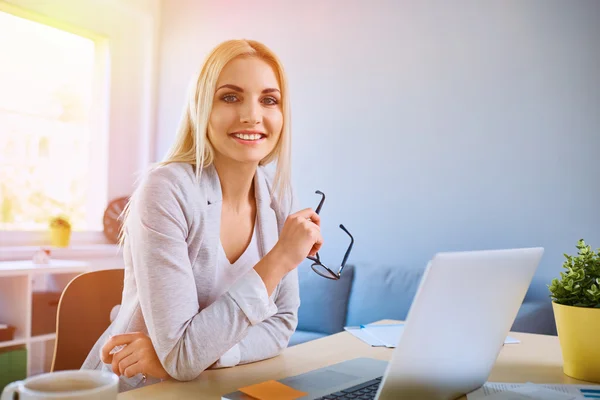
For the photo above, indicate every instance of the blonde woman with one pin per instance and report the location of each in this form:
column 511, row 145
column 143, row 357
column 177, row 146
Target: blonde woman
column 211, row 241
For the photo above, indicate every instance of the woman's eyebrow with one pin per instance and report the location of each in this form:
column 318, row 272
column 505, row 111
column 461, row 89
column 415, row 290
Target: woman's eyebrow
column 232, row 87
column 270, row 90
column 239, row 89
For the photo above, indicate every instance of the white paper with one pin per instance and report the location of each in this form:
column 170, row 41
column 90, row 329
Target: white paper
column 365, row 336
column 532, row 392
column 511, row 340
column 514, row 391
column 389, row 335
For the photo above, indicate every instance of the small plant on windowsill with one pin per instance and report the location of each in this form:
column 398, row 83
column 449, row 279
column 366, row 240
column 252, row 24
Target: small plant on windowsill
column 576, row 305
column 60, row 231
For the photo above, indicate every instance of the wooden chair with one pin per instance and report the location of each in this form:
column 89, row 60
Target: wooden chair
column 84, row 314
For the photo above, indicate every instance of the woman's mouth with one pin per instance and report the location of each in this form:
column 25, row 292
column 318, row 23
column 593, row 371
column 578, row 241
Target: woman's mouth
column 248, row 138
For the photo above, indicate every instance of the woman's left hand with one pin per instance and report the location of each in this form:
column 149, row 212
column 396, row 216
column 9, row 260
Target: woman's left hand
column 136, row 357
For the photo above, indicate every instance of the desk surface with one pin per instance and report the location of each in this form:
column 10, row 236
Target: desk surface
column 12, row 268
column 537, row 359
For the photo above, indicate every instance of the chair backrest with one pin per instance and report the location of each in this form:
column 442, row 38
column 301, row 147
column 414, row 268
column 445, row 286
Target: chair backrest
column 84, row 314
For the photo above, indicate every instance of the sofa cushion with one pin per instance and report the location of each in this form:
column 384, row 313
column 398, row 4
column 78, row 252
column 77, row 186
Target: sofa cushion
column 304, row 336
column 535, row 317
column 382, row 292
column 323, row 302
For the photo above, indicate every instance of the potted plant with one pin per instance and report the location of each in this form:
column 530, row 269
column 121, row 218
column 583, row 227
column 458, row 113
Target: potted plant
column 576, row 305
column 60, row 231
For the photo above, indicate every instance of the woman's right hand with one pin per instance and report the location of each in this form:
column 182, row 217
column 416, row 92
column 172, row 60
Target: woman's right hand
column 299, row 238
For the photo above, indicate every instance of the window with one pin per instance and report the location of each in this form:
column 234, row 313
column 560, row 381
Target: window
column 108, row 137
column 53, row 136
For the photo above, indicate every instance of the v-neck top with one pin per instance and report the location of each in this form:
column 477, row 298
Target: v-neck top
column 251, row 253
column 227, row 274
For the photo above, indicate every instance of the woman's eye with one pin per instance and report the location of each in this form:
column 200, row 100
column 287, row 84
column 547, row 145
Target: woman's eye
column 270, row 101
column 229, row 98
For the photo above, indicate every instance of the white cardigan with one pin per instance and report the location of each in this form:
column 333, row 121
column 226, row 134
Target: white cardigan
column 170, row 254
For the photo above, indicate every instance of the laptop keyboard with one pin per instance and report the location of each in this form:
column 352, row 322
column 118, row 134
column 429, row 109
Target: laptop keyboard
column 364, row 391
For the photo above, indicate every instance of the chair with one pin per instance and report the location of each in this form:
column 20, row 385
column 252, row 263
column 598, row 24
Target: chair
column 84, row 314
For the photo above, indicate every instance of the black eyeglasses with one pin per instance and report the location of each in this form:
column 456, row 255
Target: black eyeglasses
column 318, row 266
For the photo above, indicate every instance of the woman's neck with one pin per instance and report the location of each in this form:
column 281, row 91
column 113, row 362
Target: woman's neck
column 236, row 184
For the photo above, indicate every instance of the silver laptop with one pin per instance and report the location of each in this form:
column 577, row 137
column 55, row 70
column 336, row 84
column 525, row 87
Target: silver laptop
column 462, row 312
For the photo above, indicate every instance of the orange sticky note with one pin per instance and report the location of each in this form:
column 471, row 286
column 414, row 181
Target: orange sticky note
column 271, row 390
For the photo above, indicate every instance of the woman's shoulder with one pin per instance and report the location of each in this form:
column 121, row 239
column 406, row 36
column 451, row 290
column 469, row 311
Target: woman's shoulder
column 173, row 173
column 172, row 179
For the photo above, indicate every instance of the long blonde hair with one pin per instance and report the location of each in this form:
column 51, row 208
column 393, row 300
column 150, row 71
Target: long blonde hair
column 192, row 145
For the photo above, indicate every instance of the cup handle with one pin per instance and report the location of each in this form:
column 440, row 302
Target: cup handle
column 10, row 391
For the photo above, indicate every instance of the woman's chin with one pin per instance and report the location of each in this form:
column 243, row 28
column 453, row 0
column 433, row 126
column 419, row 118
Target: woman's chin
column 245, row 158
column 242, row 154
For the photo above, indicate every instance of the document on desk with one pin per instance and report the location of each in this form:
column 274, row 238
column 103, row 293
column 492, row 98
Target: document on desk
column 528, row 391
column 388, row 335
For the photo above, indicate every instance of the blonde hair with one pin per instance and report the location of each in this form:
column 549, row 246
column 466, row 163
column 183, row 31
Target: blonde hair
column 192, row 145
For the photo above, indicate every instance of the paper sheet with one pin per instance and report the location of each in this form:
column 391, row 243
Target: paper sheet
column 514, row 391
column 388, row 335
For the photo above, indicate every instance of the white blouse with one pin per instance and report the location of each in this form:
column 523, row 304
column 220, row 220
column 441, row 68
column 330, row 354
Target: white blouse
column 227, row 275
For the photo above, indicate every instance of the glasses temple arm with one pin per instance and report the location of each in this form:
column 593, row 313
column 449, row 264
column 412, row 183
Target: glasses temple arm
column 349, row 247
column 318, row 210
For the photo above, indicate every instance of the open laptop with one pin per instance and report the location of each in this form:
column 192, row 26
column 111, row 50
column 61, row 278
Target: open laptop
column 462, row 312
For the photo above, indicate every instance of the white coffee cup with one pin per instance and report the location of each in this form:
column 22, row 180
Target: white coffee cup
column 71, row 385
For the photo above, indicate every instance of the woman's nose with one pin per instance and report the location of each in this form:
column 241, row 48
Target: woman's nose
column 250, row 114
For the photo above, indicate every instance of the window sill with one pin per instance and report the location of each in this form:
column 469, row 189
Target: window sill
column 42, row 238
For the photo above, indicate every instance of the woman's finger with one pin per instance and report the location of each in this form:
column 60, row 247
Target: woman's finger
column 114, row 341
column 120, row 355
column 309, row 213
column 133, row 370
column 127, row 361
column 317, row 246
column 316, row 219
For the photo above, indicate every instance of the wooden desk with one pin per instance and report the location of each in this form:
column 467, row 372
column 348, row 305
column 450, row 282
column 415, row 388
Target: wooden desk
column 536, row 359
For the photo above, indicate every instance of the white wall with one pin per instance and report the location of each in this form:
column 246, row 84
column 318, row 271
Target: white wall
column 430, row 125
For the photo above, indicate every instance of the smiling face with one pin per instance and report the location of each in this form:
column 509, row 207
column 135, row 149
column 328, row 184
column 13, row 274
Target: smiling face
column 246, row 119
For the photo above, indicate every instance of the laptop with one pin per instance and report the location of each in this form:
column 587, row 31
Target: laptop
column 460, row 316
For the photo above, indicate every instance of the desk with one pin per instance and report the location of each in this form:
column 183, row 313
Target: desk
column 536, row 359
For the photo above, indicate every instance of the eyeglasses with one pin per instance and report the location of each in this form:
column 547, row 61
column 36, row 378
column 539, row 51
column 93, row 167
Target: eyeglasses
column 318, row 266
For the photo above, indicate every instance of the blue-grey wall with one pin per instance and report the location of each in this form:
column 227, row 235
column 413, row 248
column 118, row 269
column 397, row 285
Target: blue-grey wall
column 430, row 125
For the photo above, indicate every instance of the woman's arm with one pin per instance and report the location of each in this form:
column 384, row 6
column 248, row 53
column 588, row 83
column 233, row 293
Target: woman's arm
column 270, row 337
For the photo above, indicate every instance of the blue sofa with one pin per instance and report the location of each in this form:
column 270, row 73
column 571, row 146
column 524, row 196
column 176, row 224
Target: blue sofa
column 368, row 293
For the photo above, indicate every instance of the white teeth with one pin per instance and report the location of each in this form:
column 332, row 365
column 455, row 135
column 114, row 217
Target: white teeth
column 245, row 136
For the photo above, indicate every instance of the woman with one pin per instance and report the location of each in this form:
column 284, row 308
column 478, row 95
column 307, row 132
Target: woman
column 210, row 242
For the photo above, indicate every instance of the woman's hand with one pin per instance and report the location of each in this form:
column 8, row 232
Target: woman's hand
column 136, row 357
column 300, row 237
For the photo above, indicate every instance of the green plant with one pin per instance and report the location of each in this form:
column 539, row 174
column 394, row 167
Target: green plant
column 580, row 285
